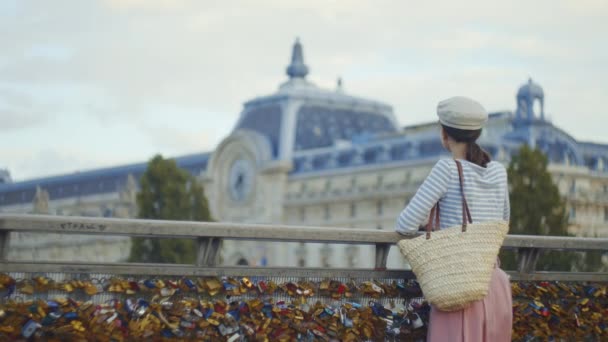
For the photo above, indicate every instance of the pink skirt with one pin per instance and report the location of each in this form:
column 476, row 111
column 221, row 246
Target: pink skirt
column 490, row 319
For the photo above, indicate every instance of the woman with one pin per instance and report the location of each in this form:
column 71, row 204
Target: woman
column 486, row 191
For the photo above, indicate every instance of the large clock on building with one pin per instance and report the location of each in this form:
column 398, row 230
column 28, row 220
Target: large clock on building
column 240, row 179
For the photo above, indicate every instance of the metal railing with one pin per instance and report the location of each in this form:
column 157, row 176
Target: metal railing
column 209, row 235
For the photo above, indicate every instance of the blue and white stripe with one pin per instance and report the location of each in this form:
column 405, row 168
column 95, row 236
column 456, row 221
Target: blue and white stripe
column 485, row 189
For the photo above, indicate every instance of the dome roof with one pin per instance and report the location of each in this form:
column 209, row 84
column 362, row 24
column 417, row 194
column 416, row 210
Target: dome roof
column 530, row 89
column 301, row 116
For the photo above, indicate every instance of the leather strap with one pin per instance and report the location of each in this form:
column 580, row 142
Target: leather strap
column 466, row 213
column 434, row 223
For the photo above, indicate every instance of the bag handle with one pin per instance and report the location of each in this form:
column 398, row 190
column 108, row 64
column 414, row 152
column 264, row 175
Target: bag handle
column 434, row 223
column 466, row 213
column 434, row 216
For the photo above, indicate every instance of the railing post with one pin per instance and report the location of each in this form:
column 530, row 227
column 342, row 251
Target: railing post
column 4, row 241
column 382, row 250
column 208, row 251
column 528, row 257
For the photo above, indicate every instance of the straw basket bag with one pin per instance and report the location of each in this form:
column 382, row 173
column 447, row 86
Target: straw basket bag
column 454, row 265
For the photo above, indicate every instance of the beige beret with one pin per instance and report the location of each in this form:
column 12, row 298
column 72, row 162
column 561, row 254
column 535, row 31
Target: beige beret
column 462, row 113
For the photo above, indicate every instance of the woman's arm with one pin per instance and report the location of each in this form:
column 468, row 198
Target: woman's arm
column 432, row 189
column 506, row 215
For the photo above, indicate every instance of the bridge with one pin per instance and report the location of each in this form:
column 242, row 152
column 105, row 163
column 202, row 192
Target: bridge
column 50, row 300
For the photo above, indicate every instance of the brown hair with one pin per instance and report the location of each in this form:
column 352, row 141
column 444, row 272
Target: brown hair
column 475, row 154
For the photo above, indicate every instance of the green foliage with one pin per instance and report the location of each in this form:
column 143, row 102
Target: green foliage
column 536, row 205
column 536, row 208
column 168, row 193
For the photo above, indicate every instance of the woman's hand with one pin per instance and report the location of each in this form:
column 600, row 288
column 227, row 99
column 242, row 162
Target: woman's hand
column 408, row 233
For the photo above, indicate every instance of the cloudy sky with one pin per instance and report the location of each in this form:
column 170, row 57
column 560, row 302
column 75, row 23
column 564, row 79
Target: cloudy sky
column 87, row 84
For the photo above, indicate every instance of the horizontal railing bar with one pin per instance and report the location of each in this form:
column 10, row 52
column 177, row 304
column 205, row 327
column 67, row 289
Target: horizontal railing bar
column 555, row 242
column 559, row 276
column 178, row 229
column 187, row 270
column 236, row 271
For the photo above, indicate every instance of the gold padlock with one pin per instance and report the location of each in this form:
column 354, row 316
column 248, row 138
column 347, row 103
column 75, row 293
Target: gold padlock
column 213, row 285
column 27, row 288
column 7, row 329
column 67, row 287
column 247, row 283
column 90, row 289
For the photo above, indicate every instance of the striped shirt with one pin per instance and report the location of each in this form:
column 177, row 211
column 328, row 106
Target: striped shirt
column 485, row 190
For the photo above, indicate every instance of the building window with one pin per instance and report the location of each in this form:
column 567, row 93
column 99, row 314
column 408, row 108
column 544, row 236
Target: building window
column 408, row 178
column 379, row 181
column 303, row 214
column 572, row 213
column 107, row 212
column 605, row 214
column 352, row 252
column 353, row 209
column 301, row 254
column 325, row 255
column 605, row 188
column 379, row 207
column 573, row 186
column 327, row 185
column 303, row 187
column 327, row 213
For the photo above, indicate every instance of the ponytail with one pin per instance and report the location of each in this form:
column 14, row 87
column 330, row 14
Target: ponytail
column 477, row 155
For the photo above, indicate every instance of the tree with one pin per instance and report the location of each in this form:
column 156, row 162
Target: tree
column 168, row 193
column 536, row 208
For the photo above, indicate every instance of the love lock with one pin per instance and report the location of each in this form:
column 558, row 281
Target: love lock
column 417, row 321
column 225, row 330
column 377, row 288
column 29, row 328
column 377, row 308
column 404, row 321
column 393, row 331
column 234, row 338
column 347, row 322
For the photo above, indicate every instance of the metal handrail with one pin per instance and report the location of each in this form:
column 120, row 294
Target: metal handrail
column 209, row 235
